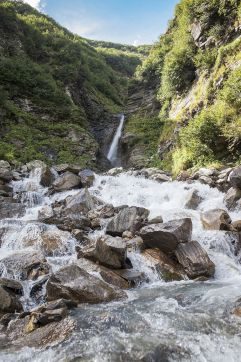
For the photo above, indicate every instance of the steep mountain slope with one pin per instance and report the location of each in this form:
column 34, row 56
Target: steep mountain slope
column 194, row 72
column 58, row 95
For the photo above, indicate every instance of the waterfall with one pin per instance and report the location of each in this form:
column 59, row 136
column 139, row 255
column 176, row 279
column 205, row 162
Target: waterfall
column 113, row 151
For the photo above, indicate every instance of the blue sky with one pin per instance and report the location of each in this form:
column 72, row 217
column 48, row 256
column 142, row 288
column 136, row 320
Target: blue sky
column 122, row 21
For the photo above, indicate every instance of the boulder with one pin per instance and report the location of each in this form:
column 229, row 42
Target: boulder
column 168, row 269
column 10, row 291
column 6, row 174
column 236, row 225
column 65, row 167
column 9, row 208
column 128, row 219
column 24, row 265
column 232, row 197
column 46, row 176
column 196, row 30
column 155, row 220
column 216, row 219
column 75, row 284
column 87, row 178
column 193, row 200
column 235, row 177
column 194, row 260
column 167, row 236
column 108, row 251
column 66, row 181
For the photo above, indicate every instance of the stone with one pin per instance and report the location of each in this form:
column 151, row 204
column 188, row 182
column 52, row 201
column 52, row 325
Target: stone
column 115, row 171
column 168, row 269
column 9, row 209
column 167, row 236
column 194, row 260
column 6, row 174
column 232, row 197
column 10, row 291
column 128, row 219
column 216, row 219
column 66, row 181
column 196, row 30
column 25, row 265
column 236, row 225
column 193, row 200
column 46, row 176
column 65, row 167
column 133, row 277
column 87, row 178
column 75, row 284
column 156, row 220
column 108, row 251
column 235, row 177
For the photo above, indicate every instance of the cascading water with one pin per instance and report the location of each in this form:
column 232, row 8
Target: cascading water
column 113, row 151
column 178, row 321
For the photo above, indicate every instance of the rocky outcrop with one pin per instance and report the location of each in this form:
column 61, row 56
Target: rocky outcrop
column 216, row 219
column 167, row 236
column 194, row 260
column 75, row 284
column 10, row 292
column 128, row 219
column 87, row 178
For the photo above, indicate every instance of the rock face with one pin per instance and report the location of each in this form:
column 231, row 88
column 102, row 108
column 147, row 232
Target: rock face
column 75, row 284
column 195, row 260
column 128, row 219
column 10, row 291
column 216, row 219
column 232, row 197
column 66, row 181
column 25, row 265
column 193, row 200
column 108, row 251
column 235, row 177
column 168, row 235
column 168, row 269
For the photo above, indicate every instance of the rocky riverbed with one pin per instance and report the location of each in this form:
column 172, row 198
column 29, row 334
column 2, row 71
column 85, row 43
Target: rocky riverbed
column 126, row 266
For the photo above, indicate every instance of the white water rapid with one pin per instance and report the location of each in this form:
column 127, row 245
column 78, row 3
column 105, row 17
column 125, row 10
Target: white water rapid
column 113, row 151
column 183, row 321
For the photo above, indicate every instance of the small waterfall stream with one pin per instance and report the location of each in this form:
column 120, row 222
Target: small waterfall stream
column 113, row 151
column 178, row 321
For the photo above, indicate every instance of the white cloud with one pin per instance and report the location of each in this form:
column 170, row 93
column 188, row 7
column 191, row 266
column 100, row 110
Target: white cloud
column 137, row 41
column 35, row 3
column 84, row 29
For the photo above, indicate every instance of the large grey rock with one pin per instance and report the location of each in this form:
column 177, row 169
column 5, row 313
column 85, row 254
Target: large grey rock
column 168, row 235
column 87, row 178
column 128, row 219
column 46, row 176
column 10, row 291
column 235, row 177
column 193, row 200
column 75, row 284
column 232, row 197
column 216, row 219
column 9, row 208
column 108, row 251
column 196, row 30
column 5, row 171
column 195, row 260
column 65, row 167
column 24, row 265
column 66, row 181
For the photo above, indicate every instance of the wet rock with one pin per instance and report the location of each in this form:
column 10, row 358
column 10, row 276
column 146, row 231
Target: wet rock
column 156, row 220
column 133, row 277
column 24, row 265
column 115, row 171
column 128, row 219
column 195, row 260
column 66, row 181
column 108, row 251
column 44, row 172
column 236, row 225
column 9, row 208
column 167, row 236
column 65, row 167
column 6, row 190
column 135, row 244
column 104, row 211
column 5, row 171
column 10, row 291
column 235, row 177
column 193, row 200
column 75, row 284
column 168, row 269
column 232, row 197
column 87, row 178
column 216, row 219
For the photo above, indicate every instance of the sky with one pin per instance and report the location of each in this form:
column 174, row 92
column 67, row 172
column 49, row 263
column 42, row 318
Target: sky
column 121, row 21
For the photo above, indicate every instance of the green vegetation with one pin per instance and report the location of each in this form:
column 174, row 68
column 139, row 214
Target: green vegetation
column 195, row 68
